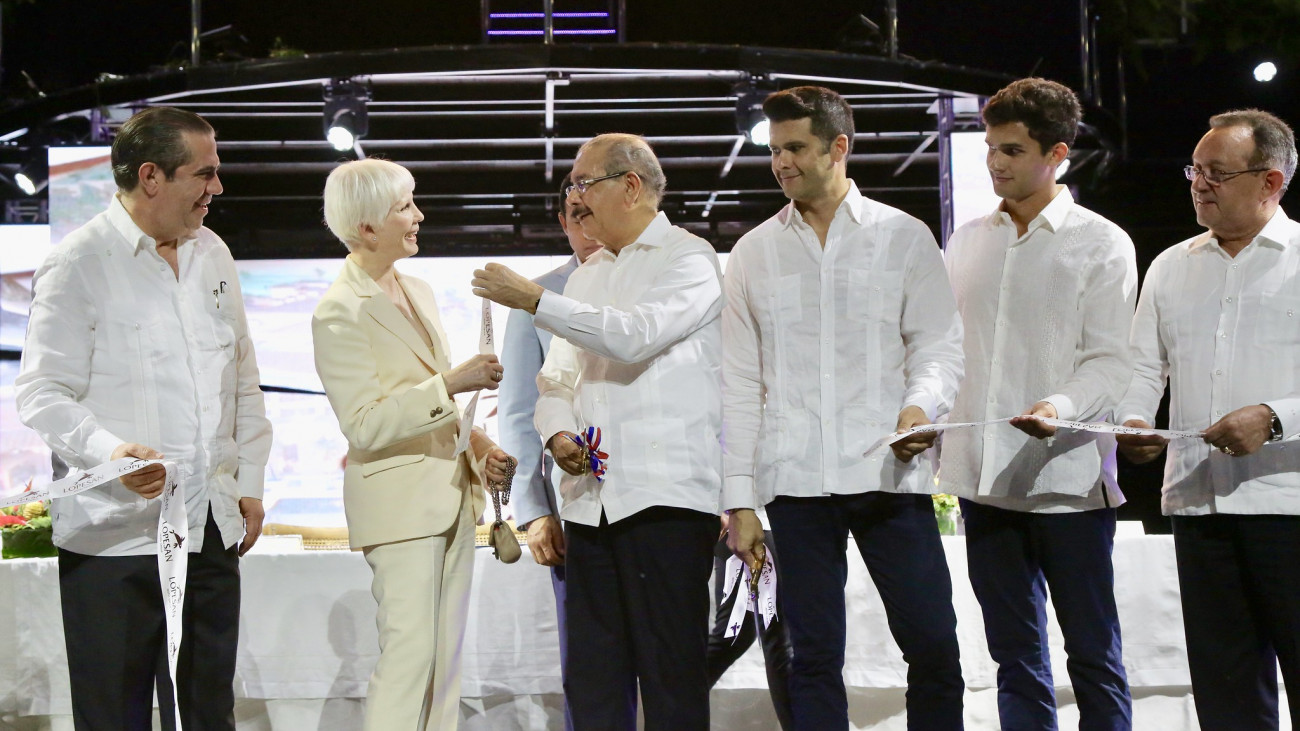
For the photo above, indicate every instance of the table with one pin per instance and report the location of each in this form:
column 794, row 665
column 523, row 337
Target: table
column 308, row 644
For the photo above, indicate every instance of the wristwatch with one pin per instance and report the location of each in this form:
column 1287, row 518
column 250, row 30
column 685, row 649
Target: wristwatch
column 1275, row 435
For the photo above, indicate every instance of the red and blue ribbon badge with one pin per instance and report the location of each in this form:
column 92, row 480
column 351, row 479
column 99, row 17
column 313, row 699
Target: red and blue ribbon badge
column 589, row 440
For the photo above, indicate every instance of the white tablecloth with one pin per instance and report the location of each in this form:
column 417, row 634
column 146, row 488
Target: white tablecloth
column 308, row 644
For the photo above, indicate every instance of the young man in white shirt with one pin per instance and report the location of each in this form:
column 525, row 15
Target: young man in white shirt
column 639, row 360
column 1046, row 289
column 137, row 346
column 840, row 328
column 523, row 350
column 1219, row 318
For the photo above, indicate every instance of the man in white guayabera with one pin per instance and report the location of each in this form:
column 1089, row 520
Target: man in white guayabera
column 1219, row 318
column 137, row 346
column 637, row 353
column 1045, row 288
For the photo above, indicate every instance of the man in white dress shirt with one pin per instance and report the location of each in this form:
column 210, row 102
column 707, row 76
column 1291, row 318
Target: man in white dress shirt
column 840, row 328
column 1045, row 288
column 1219, row 318
column 535, row 501
column 137, row 346
column 639, row 360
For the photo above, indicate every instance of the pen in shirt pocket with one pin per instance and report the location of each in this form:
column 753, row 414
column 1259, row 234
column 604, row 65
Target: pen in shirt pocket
column 216, row 293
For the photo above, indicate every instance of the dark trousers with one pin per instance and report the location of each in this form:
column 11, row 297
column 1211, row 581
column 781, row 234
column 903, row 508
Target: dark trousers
column 723, row 651
column 637, row 605
column 1239, row 576
column 562, row 627
column 899, row 541
column 1014, row 558
column 116, row 635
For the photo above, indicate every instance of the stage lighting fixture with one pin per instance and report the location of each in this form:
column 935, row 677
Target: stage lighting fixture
column 1265, row 71
column 750, row 121
column 346, row 119
column 32, row 177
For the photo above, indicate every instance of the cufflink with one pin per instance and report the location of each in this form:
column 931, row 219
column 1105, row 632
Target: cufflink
column 435, row 412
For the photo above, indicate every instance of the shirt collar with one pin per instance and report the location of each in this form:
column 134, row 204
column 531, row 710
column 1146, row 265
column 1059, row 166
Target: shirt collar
column 135, row 236
column 1052, row 217
column 654, row 234
column 1279, row 233
column 857, row 206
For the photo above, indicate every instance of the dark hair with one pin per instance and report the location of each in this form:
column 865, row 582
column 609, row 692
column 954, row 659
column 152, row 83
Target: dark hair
column 564, row 186
column 1274, row 140
column 155, row 135
column 1050, row 111
column 831, row 116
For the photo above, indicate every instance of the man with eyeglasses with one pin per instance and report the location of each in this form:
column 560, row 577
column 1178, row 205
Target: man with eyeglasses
column 1219, row 317
column 523, row 350
column 639, row 359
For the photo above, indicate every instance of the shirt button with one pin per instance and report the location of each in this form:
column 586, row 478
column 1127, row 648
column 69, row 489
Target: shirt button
column 1227, row 299
column 1218, row 373
column 435, row 412
column 826, row 376
column 654, row 445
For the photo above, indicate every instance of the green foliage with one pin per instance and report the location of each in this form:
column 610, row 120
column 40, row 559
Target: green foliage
column 1214, row 26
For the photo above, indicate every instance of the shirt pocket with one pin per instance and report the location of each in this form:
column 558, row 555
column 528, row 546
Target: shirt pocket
column 875, row 296
column 653, row 451
column 1277, row 324
column 221, row 350
column 778, row 302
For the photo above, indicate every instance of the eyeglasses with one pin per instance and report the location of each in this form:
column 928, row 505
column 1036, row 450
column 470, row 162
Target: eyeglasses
column 582, row 185
column 1217, row 177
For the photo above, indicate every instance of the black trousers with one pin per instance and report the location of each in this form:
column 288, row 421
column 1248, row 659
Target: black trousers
column 1239, row 576
column 116, row 638
column 637, row 606
column 723, row 652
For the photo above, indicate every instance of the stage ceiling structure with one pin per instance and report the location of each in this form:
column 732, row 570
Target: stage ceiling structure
column 489, row 132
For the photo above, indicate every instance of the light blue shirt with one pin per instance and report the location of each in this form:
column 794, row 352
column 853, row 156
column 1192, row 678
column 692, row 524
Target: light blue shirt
column 522, row 355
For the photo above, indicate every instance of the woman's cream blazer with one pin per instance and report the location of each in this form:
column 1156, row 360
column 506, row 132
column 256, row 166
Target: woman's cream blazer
column 402, row 478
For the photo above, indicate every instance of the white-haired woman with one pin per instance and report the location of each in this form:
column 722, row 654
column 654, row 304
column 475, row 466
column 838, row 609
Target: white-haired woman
column 411, row 501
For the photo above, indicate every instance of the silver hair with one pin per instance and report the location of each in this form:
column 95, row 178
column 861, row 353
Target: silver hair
column 362, row 192
column 1274, row 140
column 632, row 152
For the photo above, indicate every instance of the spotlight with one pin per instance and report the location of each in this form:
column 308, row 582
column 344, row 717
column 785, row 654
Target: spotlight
column 346, row 119
column 1265, row 71
column 32, row 177
column 750, row 121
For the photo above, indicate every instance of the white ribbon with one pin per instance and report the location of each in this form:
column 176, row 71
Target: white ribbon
column 486, row 346
column 173, row 566
column 173, row 532
column 761, row 603
column 1097, row 427
column 80, row 481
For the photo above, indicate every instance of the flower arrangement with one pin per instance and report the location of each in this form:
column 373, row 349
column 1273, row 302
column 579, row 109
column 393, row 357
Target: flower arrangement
column 26, row 531
column 948, row 514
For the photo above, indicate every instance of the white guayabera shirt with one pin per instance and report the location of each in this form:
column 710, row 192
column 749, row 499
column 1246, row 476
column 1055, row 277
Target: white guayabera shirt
column 823, row 348
column 118, row 350
column 1225, row 331
column 1047, row 317
column 640, row 358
